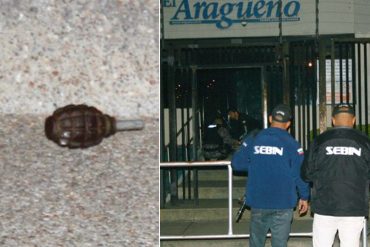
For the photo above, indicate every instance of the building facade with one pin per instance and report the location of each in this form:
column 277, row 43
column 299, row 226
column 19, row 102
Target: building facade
column 255, row 54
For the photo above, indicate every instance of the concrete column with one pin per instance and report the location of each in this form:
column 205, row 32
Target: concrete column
column 286, row 81
column 322, row 87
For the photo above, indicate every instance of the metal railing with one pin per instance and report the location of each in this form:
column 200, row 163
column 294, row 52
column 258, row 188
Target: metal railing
column 183, row 182
column 230, row 234
column 230, row 188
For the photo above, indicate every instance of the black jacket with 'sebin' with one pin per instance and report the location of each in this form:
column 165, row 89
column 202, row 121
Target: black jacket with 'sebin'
column 338, row 165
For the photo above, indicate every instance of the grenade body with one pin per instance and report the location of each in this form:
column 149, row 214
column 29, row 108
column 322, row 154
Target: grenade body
column 79, row 126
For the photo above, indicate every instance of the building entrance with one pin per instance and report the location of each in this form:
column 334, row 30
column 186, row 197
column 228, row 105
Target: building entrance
column 221, row 89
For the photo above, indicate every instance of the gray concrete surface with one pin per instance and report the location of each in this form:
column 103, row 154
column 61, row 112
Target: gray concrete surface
column 99, row 52
column 59, row 52
column 210, row 217
column 50, row 196
column 293, row 242
column 220, row 227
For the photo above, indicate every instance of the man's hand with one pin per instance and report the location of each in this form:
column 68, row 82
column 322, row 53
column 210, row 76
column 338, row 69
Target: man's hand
column 302, row 206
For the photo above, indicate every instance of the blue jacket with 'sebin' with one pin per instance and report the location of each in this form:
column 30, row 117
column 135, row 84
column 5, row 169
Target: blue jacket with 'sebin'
column 273, row 160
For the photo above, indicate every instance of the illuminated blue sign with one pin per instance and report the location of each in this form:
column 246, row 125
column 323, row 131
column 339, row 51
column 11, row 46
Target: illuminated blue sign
column 224, row 14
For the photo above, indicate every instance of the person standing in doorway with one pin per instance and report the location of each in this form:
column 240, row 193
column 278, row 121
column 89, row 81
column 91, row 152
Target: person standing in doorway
column 338, row 165
column 272, row 158
column 241, row 124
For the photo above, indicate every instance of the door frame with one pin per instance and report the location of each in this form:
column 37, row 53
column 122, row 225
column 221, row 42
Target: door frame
column 264, row 86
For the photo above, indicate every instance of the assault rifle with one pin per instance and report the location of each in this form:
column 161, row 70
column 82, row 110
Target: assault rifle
column 240, row 213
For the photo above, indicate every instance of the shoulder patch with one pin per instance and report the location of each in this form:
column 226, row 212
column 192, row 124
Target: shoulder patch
column 300, row 151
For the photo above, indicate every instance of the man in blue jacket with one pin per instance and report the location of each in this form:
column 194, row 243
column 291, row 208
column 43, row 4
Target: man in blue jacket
column 273, row 160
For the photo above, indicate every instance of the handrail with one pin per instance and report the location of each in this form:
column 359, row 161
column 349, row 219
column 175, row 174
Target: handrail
column 211, row 164
column 230, row 234
column 196, row 163
column 226, row 236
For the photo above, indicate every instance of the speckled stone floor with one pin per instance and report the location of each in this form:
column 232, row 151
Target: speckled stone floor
column 105, row 195
column 99, row 52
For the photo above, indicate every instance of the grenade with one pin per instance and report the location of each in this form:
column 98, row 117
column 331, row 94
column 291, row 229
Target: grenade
column 82, row 126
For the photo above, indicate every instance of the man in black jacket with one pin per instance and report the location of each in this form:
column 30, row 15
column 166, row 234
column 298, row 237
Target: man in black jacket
column 241, row 124
column 338, row 165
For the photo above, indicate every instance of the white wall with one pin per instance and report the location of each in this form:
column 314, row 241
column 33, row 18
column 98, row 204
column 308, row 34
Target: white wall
column 362, row 18
column 336, row 16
